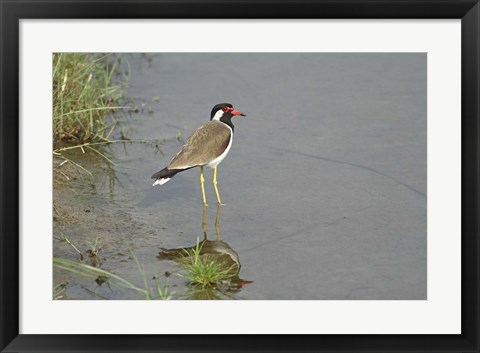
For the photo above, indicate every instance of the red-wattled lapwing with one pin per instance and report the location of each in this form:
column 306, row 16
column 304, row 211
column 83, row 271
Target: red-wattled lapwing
column 207, row 146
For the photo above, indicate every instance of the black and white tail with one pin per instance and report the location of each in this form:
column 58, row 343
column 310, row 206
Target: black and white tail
column 164, row 175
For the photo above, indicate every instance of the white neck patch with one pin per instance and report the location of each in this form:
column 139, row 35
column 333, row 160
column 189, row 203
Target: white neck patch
column 218, row 115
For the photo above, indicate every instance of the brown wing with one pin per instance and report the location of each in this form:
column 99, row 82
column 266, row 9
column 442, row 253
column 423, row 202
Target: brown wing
column 205, row 144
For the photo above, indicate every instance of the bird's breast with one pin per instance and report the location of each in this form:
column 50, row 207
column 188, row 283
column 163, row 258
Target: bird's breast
column 220, row 158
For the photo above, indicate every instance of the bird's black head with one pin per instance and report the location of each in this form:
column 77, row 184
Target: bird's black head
column 224, row 112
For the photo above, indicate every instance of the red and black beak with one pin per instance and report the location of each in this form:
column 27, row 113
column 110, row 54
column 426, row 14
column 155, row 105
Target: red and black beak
column 236, row 112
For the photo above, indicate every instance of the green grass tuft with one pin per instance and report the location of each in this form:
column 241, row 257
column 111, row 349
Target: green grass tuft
column 205, row 271
column 86, row 89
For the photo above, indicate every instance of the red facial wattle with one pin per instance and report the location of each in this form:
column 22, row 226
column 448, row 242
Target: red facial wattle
column 232, row 111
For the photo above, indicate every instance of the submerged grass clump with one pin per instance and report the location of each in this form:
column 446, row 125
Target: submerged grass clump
column 101, row 277
column 86, row 89
column 98, row 275
column 204, row 271
column 113, row 281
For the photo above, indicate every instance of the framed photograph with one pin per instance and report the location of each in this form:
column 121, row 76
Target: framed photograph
column 341, row 217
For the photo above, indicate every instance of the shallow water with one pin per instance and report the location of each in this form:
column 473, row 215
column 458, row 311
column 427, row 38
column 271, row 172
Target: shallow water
column 325, row 185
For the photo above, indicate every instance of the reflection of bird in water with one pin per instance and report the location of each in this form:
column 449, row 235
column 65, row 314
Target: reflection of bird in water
column 217, row 222
column 216, row 248
column 215, row 252
column 207, row 146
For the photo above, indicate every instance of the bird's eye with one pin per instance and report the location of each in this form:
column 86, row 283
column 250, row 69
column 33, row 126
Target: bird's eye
column 224, row 109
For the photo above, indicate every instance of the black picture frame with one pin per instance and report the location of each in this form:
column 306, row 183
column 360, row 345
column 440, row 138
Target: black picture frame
column 13, row 11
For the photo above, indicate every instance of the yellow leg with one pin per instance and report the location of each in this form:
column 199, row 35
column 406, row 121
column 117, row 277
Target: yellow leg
column 215, row 185
column 202, row 183
column 217, row 222
column 204, row 222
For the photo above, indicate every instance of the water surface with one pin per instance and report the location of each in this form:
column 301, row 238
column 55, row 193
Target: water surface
column 325, row 185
